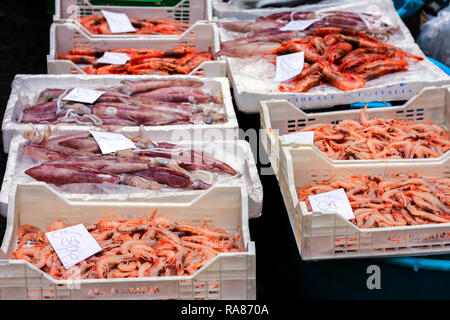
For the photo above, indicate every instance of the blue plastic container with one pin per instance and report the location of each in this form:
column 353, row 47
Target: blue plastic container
column 406, row 8
column 421, row 263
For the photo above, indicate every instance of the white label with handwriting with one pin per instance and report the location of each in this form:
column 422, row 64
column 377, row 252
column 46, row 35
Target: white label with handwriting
column 114, row 58
column 297, row 25
column 306, row 137
column 73, row 244
column 333, row 201
column 83, row 95
column 118, row 22
column 289, row 66
column 112, row 142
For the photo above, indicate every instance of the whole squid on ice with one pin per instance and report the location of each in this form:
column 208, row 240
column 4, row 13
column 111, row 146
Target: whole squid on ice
column 76, row 158
column 149, row 102
column 59, row 174
column 41, row 113
column 48, row 95
column 189, row 159
column 141, row 115
column 272, row 21
column 111, row 164
column 131, row 87
column 342, row 19
column 177, row 94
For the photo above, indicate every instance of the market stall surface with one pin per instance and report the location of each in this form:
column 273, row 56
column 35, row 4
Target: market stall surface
column 281, row 274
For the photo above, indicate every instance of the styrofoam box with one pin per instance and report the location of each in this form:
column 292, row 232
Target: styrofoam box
column 26, row 88
column 279, row 117
column 321, row 235
column 67, row 36
column 226, row 276
column 248, row 101
column 236, row 153
column 187, row 11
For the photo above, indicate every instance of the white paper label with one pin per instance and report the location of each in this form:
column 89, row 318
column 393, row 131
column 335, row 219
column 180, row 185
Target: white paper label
column 114, row 58
column 83, row 95
column 118, row 22
column 112, row 142
column 333, row 201
column 73, row 244
column 289, row 66
column 306, row 137
column 297, row 25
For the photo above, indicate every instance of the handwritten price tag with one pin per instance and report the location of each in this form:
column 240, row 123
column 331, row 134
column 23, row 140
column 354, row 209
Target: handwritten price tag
column 306, row 137
column 289, row 65
column 73, row 244
column 112, row 142
column 297, row 25
column 333, row 201
column 83, row 95
column 114, row 58
column 118, row 22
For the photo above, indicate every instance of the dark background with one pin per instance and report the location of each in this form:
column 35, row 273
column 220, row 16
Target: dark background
column 281, row 274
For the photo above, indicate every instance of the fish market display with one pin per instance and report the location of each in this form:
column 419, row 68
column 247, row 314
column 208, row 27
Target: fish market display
column 399, row 200
column 76, row 158
column 342, row 57
column 380, row 139
column 133, row 103
column 97, row 24
column 145, row 247
column 179, row 60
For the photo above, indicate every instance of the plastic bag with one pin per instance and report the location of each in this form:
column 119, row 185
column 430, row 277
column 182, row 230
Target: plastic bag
column 433, row 39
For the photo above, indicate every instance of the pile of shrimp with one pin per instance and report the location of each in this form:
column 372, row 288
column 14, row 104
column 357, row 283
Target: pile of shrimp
column 343, row 58
column 399, row 200
column 145, row 247
column 97, row 24
column 380, row 139
column 178, row 60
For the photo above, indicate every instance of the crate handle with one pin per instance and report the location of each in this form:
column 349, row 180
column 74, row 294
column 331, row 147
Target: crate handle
column 373, row 104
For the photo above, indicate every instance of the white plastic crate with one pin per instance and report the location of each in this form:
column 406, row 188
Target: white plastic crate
column 279, row 117
column 188, row 11
column 236, row 153
column 227, row 276
column 322, row 235
column 26, row 88
column 67, row 36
